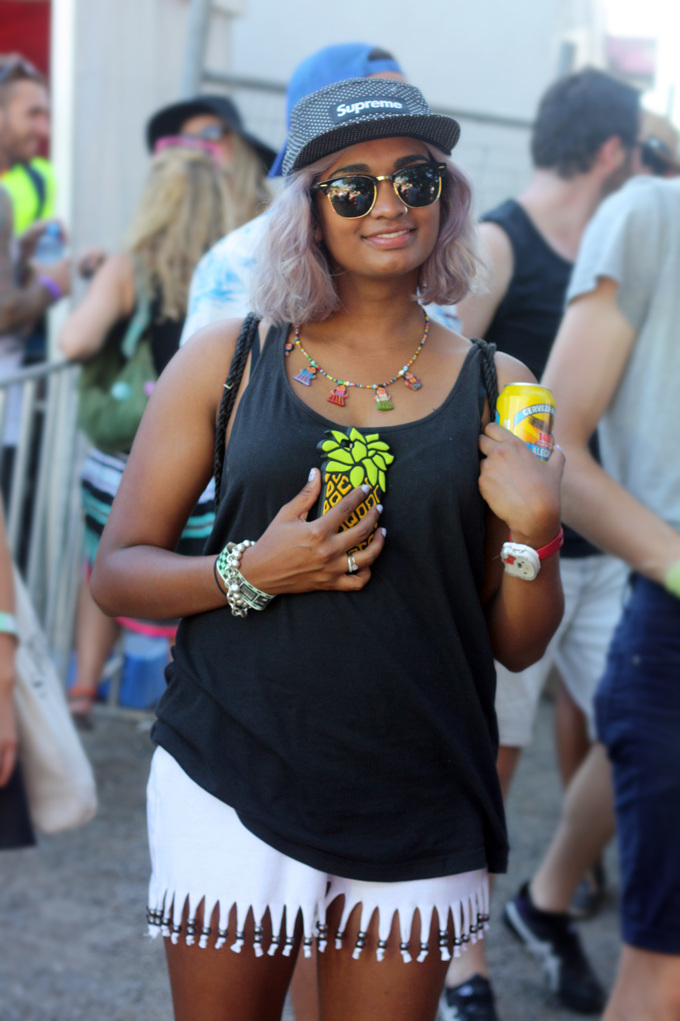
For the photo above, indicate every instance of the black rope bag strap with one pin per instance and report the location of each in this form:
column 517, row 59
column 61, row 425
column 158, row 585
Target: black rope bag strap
column 488, row 382
column 238, row 363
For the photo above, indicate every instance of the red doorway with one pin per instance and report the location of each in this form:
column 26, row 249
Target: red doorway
column 25, row 29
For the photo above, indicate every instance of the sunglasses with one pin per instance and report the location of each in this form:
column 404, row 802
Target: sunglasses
column 354, row 195
column 20, row 67
column 213, row 133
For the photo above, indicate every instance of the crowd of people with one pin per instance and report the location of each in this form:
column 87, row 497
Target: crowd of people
column 354, row 674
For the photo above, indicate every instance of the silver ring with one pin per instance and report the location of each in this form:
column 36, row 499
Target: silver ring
column 351, row 564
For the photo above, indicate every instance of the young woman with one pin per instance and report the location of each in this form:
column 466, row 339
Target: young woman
column 327, row 765
column 185, row 208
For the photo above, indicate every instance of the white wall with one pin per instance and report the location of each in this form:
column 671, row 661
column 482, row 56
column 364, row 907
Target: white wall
column 129, row 63
column 488, row 55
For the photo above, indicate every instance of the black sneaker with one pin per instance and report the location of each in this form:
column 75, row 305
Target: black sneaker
column 590, row 894
column 554, row 941
column 471, row 1001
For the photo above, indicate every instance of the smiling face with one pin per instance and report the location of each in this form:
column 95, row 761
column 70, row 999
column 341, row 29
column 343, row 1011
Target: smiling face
column 392, row 240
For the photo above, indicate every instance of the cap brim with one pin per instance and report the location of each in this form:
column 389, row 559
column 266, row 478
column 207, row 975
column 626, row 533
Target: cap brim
column 440, row 131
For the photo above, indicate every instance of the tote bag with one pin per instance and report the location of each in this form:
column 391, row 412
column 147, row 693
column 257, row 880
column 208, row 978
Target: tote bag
column 58, row 777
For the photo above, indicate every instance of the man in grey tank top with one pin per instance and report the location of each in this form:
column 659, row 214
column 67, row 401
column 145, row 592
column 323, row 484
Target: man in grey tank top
column 616, row 365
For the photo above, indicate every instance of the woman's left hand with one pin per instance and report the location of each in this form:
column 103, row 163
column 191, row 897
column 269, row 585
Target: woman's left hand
column 520, row 488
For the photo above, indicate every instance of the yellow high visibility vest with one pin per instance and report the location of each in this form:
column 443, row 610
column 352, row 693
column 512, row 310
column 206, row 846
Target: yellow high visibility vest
column 32, row 190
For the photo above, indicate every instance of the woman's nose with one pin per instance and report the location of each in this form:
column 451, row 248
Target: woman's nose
column 388, row 203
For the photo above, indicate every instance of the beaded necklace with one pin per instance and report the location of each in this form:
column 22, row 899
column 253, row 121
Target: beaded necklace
column 339, row 394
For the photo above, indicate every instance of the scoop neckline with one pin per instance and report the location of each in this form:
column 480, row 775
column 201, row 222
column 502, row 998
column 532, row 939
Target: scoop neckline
column 329, row 423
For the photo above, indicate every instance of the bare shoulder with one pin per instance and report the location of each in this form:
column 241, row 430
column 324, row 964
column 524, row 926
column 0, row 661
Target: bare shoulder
column 210, row 350
column 448, row 341
column 495, row 242
column 511, row 370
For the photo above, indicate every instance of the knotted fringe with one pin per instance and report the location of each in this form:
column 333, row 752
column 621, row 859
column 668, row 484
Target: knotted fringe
column 470, row 921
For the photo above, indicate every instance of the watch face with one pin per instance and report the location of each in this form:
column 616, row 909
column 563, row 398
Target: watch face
column 520, row 561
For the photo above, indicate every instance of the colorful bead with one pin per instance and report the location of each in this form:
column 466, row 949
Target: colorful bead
column 339, row 394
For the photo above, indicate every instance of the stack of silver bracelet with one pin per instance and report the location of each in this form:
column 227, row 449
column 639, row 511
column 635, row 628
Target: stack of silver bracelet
column 240, row 594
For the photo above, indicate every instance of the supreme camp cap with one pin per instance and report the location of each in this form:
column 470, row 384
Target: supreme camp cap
column 358, row 110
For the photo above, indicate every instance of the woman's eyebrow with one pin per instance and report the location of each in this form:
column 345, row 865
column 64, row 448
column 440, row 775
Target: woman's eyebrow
column 363, row 168
column 404, row 161
column 353, row 168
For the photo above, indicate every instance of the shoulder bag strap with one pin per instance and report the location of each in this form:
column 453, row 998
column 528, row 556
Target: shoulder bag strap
column 238, row 363
column 488, row 377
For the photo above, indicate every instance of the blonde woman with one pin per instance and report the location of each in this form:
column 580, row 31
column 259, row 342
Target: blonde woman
column 186, row 206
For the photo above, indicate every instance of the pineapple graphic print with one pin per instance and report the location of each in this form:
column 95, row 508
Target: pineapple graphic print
column 350, row 460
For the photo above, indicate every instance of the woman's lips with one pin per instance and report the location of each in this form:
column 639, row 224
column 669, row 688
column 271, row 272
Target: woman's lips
column 391, row 239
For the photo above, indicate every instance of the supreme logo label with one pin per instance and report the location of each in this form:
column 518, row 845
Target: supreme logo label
column 365, row 107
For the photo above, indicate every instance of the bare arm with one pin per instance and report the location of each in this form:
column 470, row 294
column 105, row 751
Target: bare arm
column 8, row 734
column 585, row 368
column 476, row 312
column 523, row 498
column 19, row 306
column 110, row 296
column 136, row 572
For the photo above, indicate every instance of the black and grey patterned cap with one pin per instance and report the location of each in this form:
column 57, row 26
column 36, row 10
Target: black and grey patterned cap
column 358, row 110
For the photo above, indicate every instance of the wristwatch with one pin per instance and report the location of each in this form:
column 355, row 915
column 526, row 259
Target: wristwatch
column 524, row 561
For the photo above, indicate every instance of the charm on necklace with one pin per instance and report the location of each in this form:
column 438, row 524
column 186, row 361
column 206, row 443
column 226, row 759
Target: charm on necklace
column 339, row 395
column 306, row 375
column 289, row 347
column 412, row 382
column 382, row 399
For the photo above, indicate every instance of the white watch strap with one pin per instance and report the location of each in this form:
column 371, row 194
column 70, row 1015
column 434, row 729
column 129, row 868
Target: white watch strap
column 8, row 625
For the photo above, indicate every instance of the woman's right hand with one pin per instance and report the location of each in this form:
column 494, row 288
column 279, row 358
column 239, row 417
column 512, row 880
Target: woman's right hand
column 295, row 555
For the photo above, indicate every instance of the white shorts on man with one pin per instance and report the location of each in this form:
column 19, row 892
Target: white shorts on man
column 593, row 597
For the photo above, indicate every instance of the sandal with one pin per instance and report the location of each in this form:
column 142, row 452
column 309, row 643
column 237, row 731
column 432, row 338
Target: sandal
column 80, row 699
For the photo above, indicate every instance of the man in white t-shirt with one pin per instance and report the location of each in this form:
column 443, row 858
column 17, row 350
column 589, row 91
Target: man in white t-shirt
column 615, row 366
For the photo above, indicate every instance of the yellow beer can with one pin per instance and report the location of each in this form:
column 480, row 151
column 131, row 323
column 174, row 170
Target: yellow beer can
column 528, row 411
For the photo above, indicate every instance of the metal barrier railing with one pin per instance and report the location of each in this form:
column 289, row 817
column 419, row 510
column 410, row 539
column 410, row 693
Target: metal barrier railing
column 40, row 489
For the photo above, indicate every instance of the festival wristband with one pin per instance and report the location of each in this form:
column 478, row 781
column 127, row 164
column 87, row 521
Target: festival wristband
column 524, row 562
column 672, row 579
column 51, row 286
column 8, row 625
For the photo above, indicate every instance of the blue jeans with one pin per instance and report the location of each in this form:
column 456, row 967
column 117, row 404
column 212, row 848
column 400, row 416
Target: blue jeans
column 638, row 719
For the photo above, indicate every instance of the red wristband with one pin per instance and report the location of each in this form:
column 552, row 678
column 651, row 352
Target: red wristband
column 552, row 547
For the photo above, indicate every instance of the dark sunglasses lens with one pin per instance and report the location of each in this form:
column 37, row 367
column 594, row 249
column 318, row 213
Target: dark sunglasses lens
column 351, row 196
column 418, row 186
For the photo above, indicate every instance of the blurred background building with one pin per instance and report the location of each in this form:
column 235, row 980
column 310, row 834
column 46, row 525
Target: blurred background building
column 112, row 62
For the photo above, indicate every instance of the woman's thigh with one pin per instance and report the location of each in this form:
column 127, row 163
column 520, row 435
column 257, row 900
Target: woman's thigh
column 220, row 985
column 370, row 990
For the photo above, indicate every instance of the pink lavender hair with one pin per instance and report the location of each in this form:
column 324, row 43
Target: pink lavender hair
column 294, row 283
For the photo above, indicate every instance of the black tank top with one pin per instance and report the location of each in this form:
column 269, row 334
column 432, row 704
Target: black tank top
column 354, row 732
column 527, row 320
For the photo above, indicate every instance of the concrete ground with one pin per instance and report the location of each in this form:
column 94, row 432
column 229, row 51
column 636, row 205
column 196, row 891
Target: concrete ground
column 72, row 911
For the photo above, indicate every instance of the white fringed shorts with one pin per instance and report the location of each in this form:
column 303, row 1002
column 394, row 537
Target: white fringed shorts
column 201, row 851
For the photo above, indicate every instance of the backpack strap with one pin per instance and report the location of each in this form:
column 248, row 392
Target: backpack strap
column 488, row 377
column 141, row 316
column 39, row 187
column 246, row 339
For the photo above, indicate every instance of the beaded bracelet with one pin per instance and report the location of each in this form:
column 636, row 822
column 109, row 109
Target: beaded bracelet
column 240, row 594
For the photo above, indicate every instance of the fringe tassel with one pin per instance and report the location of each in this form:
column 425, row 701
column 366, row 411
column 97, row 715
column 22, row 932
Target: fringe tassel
column 470, row 918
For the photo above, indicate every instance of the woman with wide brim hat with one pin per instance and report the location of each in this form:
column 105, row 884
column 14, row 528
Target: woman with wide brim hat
column 326, row 760
column 214, row 123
